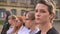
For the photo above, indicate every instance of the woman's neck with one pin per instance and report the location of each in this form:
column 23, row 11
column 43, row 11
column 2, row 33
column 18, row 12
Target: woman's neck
column 45, row 27
column 33, row 27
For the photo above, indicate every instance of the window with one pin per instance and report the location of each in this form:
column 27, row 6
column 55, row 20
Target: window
column 23, row 1
column 56, row 15
column 56, row 2
column 13, row 1
column 32, row 1
column 22, row 12
column 3, row 0
column 13, row 11
column 1, row 12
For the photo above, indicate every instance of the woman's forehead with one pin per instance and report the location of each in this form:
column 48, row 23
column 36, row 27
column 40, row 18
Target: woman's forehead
column 17, row 18
column 9, row 17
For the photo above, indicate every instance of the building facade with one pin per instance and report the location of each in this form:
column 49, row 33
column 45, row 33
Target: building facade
column 17, row 7
column 57, row 12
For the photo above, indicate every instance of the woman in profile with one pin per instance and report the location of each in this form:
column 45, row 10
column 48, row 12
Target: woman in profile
column 18, row 22
column 6, row 24
column 11, row 21
column 44, row 14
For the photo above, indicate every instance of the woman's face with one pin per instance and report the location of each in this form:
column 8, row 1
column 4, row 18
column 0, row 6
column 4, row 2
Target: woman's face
column 17, row 22
column 27, row 21
column 10, row 20
column 42, row 14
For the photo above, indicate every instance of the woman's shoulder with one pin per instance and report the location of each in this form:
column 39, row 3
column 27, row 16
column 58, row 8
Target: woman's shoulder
column 52, row 31
column 10, row 30
column 23, row 30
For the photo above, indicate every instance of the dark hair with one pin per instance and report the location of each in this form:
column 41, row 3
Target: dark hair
column 49, row 4
column 6, row 24
column 26, row 13
column 8, row 14
column 31, row 16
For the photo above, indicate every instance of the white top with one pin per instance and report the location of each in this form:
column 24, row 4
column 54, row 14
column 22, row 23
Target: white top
column 10, row 30
column 34, row 31
column 23, row 30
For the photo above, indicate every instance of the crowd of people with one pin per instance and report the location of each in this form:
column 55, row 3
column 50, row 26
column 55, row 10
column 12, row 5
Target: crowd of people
column 37, row 22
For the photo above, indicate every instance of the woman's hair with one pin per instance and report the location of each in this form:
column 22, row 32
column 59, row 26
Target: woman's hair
column 6, row 21
column 31, row 15
column 25, row 13
column 17, row 27
column 12, row 17
column 50, row 4
column 8, row 13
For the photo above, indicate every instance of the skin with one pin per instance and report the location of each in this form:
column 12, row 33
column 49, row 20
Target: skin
column 27, row 22
column 43, row 18
column 10, row 20
column 24, row 17
column 17, row 22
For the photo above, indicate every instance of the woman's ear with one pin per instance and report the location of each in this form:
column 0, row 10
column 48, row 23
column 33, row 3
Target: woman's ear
column 51, row 16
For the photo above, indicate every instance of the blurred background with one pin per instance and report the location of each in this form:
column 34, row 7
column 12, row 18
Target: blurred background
column 18, row 7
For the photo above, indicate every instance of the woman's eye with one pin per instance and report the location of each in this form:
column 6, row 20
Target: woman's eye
column 26, row 19
column 16, row 20
column 36, row 10
column 42, row 11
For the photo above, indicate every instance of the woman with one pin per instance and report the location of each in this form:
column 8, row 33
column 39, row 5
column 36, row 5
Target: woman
column 18, row 22
column 6, row 24
column 30, row 23
column 11, row 21
column 43, row 17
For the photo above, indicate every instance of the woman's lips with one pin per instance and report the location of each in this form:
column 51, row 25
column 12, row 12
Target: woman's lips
column 37, row 18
